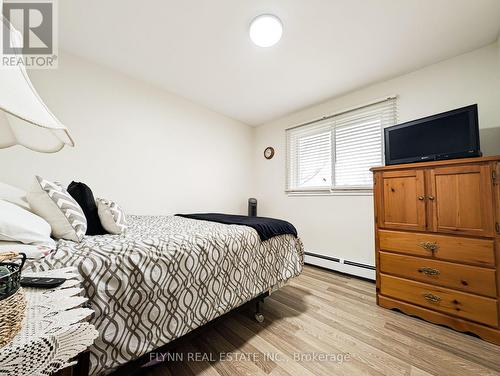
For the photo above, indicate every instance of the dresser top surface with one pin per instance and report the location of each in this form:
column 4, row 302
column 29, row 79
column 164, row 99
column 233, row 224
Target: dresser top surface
column 495, row 158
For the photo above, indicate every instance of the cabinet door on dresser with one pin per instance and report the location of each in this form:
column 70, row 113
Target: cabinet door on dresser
column 461, row 200
column 402, row 200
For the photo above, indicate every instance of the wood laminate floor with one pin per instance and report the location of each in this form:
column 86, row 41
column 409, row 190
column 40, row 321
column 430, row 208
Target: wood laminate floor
column 333, row 316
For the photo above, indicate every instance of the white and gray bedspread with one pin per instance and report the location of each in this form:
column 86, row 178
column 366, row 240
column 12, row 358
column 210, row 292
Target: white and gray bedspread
column 167, row 276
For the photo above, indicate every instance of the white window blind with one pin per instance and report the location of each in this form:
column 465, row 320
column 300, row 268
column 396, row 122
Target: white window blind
column 337, row 152
column 311, row 157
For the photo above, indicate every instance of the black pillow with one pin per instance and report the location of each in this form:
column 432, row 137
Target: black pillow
column 83, row 195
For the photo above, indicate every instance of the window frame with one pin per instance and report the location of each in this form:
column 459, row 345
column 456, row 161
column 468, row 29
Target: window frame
column 333, row 189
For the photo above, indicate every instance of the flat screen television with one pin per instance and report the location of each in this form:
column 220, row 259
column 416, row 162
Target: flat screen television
column 449, row 135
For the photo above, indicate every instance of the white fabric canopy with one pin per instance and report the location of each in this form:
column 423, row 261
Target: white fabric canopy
column 25, row 119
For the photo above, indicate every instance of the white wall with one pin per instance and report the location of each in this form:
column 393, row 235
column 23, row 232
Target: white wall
column 151, row 151
column 342, row 226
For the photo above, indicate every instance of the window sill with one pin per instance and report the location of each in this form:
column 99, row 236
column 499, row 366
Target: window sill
column 338, row 192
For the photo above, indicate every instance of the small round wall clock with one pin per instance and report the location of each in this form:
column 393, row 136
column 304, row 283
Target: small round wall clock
column 269, row 152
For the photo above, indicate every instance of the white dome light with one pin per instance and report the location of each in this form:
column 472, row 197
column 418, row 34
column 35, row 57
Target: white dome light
column 266, row 30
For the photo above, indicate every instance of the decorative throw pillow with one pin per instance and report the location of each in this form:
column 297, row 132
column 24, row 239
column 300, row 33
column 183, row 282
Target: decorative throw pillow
column 85, row 198
column 14, row 195
column 20, row 225
column 112, row 216
column 53, row 203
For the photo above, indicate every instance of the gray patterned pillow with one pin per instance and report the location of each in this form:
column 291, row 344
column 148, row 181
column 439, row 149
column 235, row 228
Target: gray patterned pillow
column 112, row 216
column 52, row 202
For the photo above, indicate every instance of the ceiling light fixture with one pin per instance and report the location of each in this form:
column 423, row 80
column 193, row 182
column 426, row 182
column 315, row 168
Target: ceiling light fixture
column 266, row 30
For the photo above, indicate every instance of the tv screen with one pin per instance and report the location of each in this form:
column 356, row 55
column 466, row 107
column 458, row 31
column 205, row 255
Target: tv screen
column 452, row 134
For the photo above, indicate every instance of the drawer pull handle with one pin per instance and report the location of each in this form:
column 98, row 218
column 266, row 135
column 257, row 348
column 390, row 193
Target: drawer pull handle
column 430, row 198
column 430, row 246
column 429, row 271
column 432, row 298
column 421, row 198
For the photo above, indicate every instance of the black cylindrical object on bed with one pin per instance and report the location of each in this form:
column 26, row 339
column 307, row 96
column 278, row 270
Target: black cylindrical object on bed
column 252, row 207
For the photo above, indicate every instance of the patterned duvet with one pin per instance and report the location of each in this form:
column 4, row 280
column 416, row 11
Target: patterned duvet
column 167, row 276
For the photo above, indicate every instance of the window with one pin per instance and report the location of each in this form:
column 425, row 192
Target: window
column 336, row 153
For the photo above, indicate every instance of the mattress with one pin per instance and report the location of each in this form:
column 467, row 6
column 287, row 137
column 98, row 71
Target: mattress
column 169, row 275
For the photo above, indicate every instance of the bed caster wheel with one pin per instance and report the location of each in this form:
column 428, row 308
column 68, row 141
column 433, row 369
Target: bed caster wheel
column 259, row 317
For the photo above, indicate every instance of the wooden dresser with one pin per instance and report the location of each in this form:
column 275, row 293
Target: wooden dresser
column 437, row 240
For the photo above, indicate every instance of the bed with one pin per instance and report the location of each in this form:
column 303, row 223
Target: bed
column 168, row 275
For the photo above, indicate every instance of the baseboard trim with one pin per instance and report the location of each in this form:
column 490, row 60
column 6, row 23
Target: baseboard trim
column 341, row 265
column 359, row 265
column 334, row 259
column 330, row 270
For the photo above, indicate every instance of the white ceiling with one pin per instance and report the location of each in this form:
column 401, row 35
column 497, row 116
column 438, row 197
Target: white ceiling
column 200, row 49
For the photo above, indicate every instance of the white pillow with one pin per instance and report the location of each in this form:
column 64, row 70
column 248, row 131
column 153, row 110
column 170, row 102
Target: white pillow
column 112, row 216
column 31, row 251
column 19, row 225
column 14, row 195
column 53, row 203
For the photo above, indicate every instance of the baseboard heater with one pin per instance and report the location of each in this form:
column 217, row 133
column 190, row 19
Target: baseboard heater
column 342, row 265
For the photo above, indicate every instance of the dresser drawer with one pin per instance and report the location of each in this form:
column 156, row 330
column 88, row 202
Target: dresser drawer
column 451, row 248
column 460, row 304
column 461, row 277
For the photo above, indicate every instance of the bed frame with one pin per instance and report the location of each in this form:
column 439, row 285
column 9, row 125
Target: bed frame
column 136, row 367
